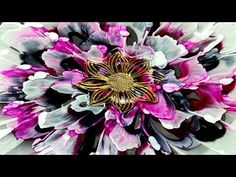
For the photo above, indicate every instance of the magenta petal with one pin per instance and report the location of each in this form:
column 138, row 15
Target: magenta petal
column 65, row 46
column 75, row 76
column 169, row 29
column 21, row 71
column 114, row 35
column 26, row 130
column 19, row 109
column 191, row 71
column 163, row 109
column 123, row 120
column 27, row 118
column 230, row 102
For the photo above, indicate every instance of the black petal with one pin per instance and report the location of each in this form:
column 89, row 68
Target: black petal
column 34, row 59
column 210, row 60
column 209, row 131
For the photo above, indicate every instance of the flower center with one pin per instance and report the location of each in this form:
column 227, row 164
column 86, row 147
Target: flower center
column 120, row 82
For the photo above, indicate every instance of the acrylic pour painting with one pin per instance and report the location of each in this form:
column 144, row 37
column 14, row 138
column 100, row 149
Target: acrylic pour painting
column 117, row 88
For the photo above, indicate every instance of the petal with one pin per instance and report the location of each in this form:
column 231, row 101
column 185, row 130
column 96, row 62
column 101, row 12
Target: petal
column 75, row 76
column 27, row 118
column 138, row 68
column 94, row 54
column 27, row 39
column 180, row 116
column 136, row 31
column 228, row 32
column 123, row 107
column 115, row 60
column 24, row 70
column 58, row 118
column 145, row 93
column 8, row 143
column 145, row 149
column 175, row 29
column 112, row 36
column 82, row 104
column 211, row 114
column 105, row 146
column 93, row 83
column 123, row 140
column 53, row 59
column 59, row 143
column 64, row 87
column 8, row 56
column 37, row 87
column 163, row 109
column 95, row 68
column 191, row 71
column 122, row 119
column 159, row 60
column 173, row 84
column 141, row 52
column 194, row 36
column 168, row 46
column 81, row 27
column 63, row 45
column 204, row 97
column 101, row 96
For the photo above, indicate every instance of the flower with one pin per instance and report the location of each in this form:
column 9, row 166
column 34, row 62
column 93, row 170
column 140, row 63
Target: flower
column 119, row 80
column 117, row 88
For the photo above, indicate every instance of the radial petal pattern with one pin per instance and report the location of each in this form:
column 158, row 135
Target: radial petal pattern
column 117, row 88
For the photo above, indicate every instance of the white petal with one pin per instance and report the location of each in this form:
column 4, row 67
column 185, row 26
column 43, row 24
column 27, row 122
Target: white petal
column 176, row 122
column 154, row 143
column 76, row 105
column 123, row 140
column 105, row 146
column 159, row 60
column 210, row 114
column 228, row 30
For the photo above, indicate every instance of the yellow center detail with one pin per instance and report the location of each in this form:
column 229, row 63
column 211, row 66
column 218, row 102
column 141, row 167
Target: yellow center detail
column 120, row 82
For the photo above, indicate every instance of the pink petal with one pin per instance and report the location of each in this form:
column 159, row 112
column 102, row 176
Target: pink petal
column 163, row 109
column 75, row 76
column 114, row 114
column 191, row 71
column 27, row 118
column 123, row 140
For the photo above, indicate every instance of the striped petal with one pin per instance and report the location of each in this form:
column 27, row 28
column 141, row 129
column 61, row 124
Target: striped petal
column 101, row 96
column 94, row 68
column 124, row 107
column 93, row 83
column 145, row 93
column 115, row 62
column 138, row 68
